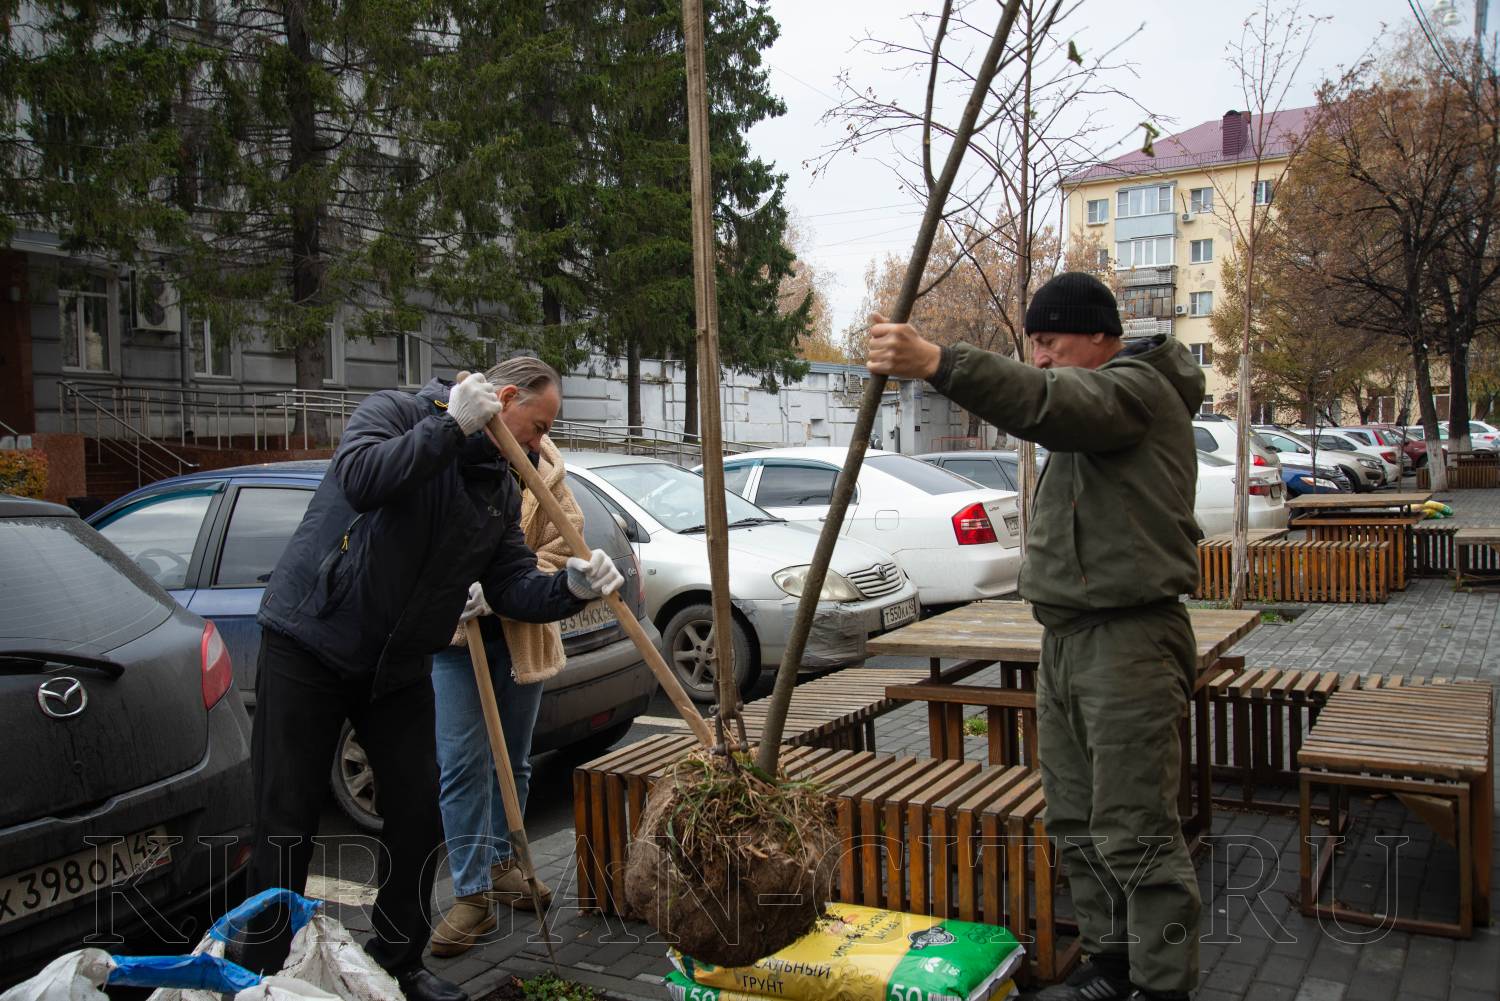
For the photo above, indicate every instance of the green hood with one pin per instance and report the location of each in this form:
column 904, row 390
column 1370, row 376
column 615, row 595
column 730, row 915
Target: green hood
column 1112, row 524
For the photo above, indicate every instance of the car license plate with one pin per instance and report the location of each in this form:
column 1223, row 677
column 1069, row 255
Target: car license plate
column 81, row 873
column 899, row 614
column 1013, row 524
column 595, row 616
column 1276, row 491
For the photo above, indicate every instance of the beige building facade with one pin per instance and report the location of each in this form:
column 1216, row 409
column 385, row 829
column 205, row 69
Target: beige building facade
column 1166, row 224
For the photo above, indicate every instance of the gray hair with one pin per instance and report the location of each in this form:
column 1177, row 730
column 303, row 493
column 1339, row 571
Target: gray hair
column 531, row 375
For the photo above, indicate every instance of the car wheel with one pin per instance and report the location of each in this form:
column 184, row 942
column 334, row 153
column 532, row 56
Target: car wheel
column 1356, row 480
column 689, row 652
column 354, row 782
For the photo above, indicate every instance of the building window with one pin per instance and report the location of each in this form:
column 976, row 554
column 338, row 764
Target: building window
column 1207, row 409
column 1203, row 354
column 1143, row 201
column 83, row 314
column 1151, row 252
column 1200, row 303
column 1148, row 303
column 333, row 355
column 1203, row 251
column 1201, row 200
column 1263, row 192
column 408, row 360
column 1101, row 258
column 1098, row 211
column 210, row 349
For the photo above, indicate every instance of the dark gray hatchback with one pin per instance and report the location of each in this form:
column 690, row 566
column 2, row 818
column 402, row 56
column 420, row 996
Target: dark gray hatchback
column 125, row 748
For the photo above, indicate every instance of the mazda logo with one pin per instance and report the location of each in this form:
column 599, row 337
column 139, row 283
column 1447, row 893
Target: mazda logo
column 62, row 697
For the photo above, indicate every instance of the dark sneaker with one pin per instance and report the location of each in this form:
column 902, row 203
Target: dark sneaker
column 1089, row 982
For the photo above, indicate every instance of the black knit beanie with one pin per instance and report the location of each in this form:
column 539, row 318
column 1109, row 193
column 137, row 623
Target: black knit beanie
column 1074, row 303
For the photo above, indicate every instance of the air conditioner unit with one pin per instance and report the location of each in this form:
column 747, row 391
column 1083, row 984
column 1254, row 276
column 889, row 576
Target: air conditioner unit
column 1187, row 217
column 1180, row 310
column 155, row 304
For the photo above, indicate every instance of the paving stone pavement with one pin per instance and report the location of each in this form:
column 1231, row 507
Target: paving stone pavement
column 1255, row 944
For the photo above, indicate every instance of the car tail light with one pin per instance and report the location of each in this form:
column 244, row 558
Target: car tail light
column 1388, row 456
column 218, row 673
column 1259, row 490
column 1258, row 460
column 972, row 526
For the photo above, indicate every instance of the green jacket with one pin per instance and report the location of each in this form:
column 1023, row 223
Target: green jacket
column 1112, row 524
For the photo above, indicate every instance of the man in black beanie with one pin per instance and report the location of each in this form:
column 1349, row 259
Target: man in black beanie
column 1111, row 548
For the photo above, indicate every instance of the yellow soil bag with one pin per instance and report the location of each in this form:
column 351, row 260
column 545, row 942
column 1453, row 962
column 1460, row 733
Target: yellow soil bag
column 865, row 954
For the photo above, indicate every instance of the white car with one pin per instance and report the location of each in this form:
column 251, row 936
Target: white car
column 957, row 540
column 660, row 507
column 1218, row 438
column 1365, row 472
column 1483, row 437
column 1214, row 504
column 1329, row 438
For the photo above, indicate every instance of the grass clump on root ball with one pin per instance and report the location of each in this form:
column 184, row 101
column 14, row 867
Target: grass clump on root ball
column 714, row 841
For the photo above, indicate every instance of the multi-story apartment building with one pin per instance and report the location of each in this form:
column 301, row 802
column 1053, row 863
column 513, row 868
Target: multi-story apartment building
column 1166, row 223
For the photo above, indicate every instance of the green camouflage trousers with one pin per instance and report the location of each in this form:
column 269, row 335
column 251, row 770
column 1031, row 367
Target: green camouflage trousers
column 1111, row 690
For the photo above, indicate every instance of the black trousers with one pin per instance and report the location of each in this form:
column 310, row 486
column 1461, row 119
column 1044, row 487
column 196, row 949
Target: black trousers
column 301, row 705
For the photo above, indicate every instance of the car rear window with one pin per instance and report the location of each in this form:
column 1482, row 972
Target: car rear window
column 63, row 583
column 1212, row 460
column 916, row 473
column 599, row 528
column 985, row 472
column 1205, row 441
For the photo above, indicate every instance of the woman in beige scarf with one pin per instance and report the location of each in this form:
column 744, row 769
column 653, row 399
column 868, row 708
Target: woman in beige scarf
column 522, row 656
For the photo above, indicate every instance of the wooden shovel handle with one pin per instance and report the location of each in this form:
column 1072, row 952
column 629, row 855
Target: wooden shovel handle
column 511, row 449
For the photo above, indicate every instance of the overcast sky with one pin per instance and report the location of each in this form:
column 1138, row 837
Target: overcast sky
column 853, row 212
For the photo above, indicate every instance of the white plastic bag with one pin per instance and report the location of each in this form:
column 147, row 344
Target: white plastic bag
column 73, row 976
column 284, row 988
column 326, row 956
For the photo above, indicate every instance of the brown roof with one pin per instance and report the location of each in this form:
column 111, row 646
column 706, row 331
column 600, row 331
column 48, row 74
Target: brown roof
column 1211, row 144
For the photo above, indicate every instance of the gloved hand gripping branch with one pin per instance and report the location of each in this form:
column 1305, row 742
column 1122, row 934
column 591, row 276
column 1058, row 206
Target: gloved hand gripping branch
column 593, row 577
column 472, row 402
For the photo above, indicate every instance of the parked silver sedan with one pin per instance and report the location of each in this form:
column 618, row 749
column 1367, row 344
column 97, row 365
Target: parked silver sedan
column 660, row 507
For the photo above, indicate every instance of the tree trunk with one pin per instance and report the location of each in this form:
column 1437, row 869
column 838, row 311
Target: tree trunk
column 303, row 156
column 1239, row 556
column 1437, row 469
column 974, row 426
column 690, row 390
column 633, row 387
column 1458, row 393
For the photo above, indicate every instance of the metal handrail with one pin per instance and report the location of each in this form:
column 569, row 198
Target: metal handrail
column 218, row 418
column 151, row 459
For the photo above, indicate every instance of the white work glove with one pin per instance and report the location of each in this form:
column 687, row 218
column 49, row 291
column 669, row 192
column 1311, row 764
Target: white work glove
column 593, row 577
column 476, row 605
column 473, row 402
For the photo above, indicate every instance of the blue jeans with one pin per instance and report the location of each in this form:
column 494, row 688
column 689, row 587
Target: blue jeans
column 469, row 791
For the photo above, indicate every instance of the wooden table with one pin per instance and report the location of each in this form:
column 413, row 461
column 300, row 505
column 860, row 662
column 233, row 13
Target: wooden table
column 1374, row 517
column 1433, row 746
column 986, row 633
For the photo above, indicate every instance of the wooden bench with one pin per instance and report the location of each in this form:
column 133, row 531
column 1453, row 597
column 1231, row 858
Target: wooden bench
column 836, row 710
column 945, row 838
column 1348, row 570
column 1393, row 527
column 1466, row 471
column 1476, row 551
column 1262, row 715
column 1432, row 746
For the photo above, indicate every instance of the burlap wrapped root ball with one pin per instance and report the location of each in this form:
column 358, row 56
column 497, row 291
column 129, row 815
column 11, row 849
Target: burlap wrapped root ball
column 728, row 864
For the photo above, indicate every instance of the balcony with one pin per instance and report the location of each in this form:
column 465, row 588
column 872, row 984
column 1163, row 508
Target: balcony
column 1150, row 326
column 1138, row 277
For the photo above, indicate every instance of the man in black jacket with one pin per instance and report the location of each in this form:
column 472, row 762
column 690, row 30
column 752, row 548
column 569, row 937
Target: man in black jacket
column 416, row 505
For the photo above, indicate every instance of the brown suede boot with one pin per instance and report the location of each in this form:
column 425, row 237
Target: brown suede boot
column 469, row 918
column 508, row 886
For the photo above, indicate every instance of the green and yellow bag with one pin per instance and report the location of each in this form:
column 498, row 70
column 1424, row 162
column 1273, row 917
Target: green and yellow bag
column 865, row 954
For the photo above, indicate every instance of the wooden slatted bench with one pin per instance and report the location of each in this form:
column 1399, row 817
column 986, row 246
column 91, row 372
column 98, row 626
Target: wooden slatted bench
column 946, row 838
column 835, row 710
column 1280, row 570
column 1432, row 746
column 1434, row 553
column 1476, row 551
column 1262, row 715
column 1394, row 527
